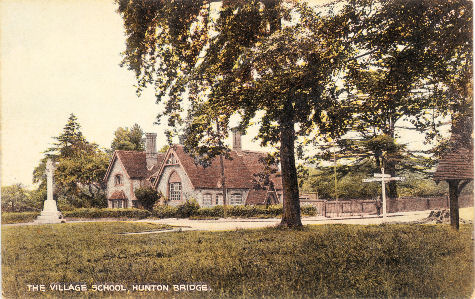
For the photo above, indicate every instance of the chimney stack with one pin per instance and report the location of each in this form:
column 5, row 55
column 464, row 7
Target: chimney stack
column 151, row 149
column 236, row 139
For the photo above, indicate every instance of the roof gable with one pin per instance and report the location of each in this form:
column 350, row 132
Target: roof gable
column 238, row 170
column 134, row 163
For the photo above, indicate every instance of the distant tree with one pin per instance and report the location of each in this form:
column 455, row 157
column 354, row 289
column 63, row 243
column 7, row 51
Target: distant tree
column 80, row 167
column 128, row 139
column 147, row 196
column 16, row 198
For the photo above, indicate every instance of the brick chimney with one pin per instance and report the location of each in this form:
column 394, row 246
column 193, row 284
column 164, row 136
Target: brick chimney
column 236, row 139
column 151, row 149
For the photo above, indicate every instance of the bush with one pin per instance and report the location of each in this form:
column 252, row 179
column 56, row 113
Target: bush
column 147, row 197
column 216, row 211
column 189, row 208
column 21, row 217
column 308, row 210
column 165, row 212
column 107, row 213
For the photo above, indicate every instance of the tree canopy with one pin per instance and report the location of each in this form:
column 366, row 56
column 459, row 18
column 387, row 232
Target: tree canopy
column 299, row 72
column 128, row 139
column 80, row 167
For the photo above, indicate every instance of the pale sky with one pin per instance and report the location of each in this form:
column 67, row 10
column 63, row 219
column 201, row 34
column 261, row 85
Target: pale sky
column 60, row 57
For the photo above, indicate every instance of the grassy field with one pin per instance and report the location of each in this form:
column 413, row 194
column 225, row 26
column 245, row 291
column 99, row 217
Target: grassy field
column 318, row 261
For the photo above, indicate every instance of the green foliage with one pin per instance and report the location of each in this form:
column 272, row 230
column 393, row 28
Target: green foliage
column 128, row 139
column 107, row 213
column 350, row 185
column 80, row 168
column 18, row 217
column 16, row 198
column 164, row 211
column 324, row 261
column 187, row 209
column 147, row 197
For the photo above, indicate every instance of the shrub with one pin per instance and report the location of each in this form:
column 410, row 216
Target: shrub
column 165, row 212
column 107, row 213
column 216, row 211
column 189, row 208
column 20, row 217
column 308, row 210
column 147, row 197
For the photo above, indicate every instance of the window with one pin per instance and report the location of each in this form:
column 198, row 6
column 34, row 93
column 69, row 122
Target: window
column 118, row 179
column 207, row 201
column 219, row 199
column 236, row 199
column 175, row 191
column 135, row 203
column 172, row 159
column 119, row 203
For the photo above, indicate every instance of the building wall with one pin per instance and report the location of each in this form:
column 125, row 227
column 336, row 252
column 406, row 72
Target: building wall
column 187, row 189
column 188, row 192
column 215, row 192
column 127, row 184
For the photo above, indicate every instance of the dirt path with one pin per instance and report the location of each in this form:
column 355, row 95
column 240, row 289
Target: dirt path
column 232, row 224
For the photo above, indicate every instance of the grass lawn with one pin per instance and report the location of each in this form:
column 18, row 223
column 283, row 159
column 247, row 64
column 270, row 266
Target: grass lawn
column 318, row 261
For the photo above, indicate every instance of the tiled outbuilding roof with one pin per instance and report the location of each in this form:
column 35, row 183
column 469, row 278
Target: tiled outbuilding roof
column 457, row 164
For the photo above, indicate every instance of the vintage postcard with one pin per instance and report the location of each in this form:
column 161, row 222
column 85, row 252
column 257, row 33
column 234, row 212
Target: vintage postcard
column 237, row 149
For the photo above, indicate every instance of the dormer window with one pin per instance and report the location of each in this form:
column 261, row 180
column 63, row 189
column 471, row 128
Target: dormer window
column 118, row 179
column 172, row 159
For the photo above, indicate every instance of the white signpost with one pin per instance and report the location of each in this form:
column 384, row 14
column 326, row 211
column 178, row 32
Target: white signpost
column 383, row 178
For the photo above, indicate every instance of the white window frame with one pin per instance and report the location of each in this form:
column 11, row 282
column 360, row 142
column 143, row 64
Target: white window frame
column 219, row 199
column 175, row 191
column 235, row 199
column 207, row 199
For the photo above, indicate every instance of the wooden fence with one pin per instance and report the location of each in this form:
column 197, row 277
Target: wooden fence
column 356, row 207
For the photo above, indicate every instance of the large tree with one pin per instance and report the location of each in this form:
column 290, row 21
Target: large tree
column 270, row 58
column 80, row 167
column 413, row 63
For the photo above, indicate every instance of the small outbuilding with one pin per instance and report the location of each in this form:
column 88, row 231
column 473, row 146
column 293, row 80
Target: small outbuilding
column 455, row 167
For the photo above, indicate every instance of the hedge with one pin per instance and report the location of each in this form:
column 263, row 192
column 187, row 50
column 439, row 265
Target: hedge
column 189, row 209
column 19, row 217
column 107, row 213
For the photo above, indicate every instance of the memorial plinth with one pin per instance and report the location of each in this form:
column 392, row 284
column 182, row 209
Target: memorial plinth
column 50, row 213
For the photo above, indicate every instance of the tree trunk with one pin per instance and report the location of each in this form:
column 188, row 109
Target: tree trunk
column 291, row 208
column 454, row 202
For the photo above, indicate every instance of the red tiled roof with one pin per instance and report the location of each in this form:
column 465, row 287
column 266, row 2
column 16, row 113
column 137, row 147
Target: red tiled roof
column 457, row 164
column 118, row 195
column 238, row 170
column 135, row 164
